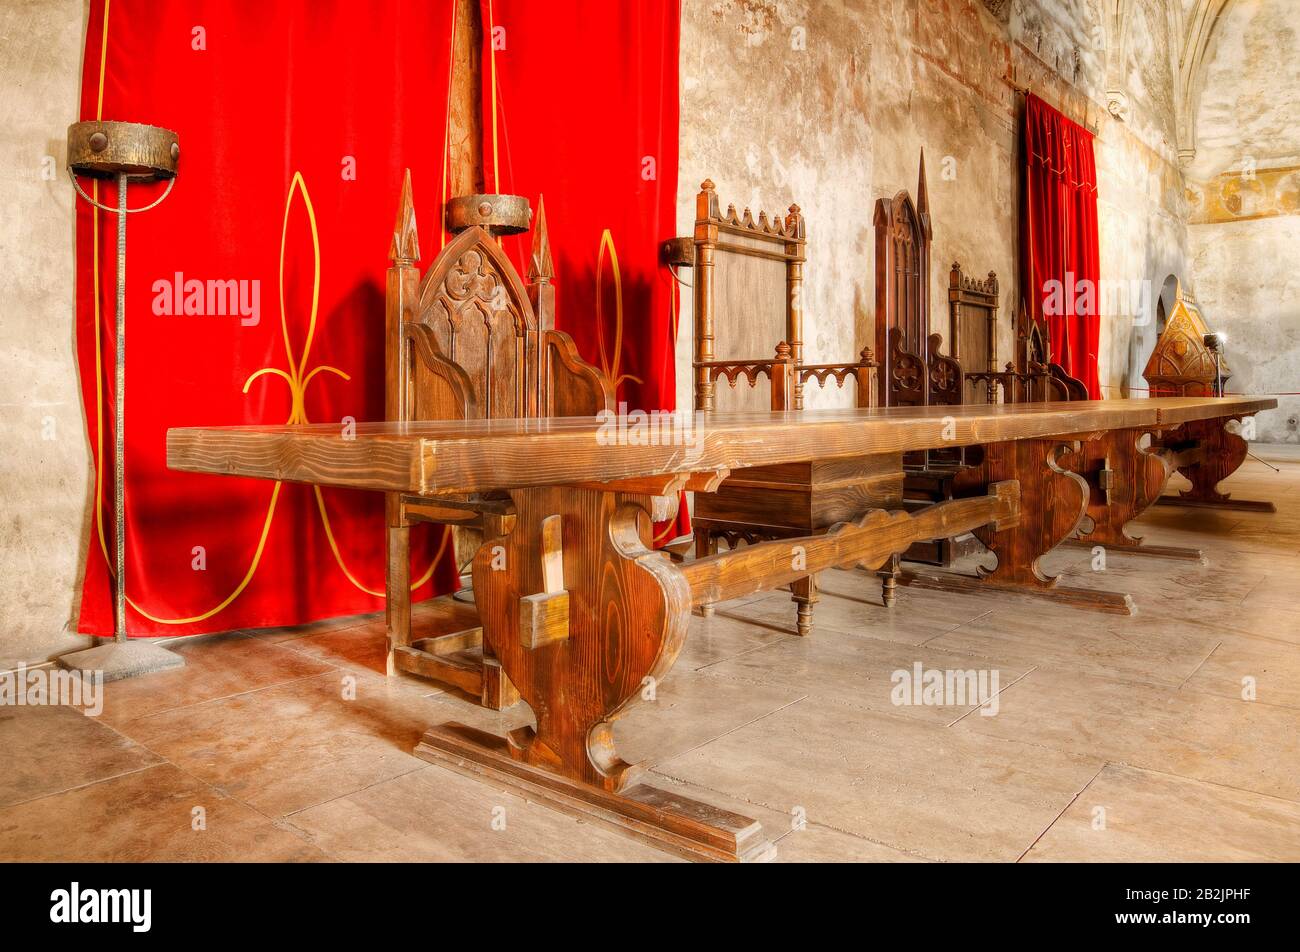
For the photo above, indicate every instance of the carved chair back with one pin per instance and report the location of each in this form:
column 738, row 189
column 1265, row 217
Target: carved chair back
column 469, row 340
column 748, row 290
column 1036, row 377
column 913, row 370
column 1032, row 377
column 748, row 283
column 973, row 316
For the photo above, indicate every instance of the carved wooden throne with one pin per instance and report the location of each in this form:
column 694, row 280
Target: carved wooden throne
column 1181, row 365
column 748, row 274
column 469, row 340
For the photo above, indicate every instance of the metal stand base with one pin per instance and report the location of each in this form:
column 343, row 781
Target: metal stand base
column 123, row 659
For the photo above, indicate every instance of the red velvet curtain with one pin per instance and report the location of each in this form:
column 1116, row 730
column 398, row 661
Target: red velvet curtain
column 583, row 111
column 296, row 120
column 1060, row 268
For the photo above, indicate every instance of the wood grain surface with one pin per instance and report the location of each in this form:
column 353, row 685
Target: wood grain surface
column 478, row 455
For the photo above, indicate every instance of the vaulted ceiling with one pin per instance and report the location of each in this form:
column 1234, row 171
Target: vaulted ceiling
column 1247, row 100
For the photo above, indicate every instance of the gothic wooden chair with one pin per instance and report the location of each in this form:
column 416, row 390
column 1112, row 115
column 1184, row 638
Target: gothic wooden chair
column 748, row 279
column 469, row 340
column 1182, row 364
column 914, row 370
column 973, row 317
column 1033, row 376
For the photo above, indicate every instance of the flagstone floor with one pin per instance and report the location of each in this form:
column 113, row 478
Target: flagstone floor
column 1113, row 739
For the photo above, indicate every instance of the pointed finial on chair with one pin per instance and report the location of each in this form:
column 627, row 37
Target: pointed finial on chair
column 792, row 219
column 405, row 248
column 540, row 266
column 707, row 185
column 922, row 192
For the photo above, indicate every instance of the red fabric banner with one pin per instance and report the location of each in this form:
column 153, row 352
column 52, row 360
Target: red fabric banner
column 1061, row 267
column 586, row 115
column 583, row 110
column 295, row 121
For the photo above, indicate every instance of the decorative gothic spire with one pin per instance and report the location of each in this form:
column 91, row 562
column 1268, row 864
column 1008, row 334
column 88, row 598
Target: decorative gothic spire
column 405, row 248
column 540, row 266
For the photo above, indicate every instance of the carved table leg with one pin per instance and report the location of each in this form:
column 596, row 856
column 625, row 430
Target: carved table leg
column 1124, row 479
column 397, row 584
column 889, row 582
column 1053, row 502
column 1222, row 453
column 583, row 616
column 803, row 593
column 705, row 545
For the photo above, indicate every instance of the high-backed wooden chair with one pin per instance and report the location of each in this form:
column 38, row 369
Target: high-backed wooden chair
column 913, row 369
column 469, row 340
column 973, row 317
column 750, row 275
column 916, row 372
column 1033, row 376
column 748, row 281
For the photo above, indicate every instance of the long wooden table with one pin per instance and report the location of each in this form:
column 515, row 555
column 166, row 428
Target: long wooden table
column 583, row 615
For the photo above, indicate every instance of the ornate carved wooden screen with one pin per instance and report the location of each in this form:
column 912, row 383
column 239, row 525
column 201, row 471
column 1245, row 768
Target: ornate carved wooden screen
column 1181, row 365
column 913, row 370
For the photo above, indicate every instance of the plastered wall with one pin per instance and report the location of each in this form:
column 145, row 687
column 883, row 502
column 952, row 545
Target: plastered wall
column 45, row 464
column 828, row 104
column 1244, row 190
column 1248, row 286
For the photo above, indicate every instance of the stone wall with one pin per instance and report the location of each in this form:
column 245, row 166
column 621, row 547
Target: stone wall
column 1248, row 286
column 45, row 466
column 1244, row 194
column 828, row 105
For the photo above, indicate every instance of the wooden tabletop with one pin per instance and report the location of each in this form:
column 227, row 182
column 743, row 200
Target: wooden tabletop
column 480, row 455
